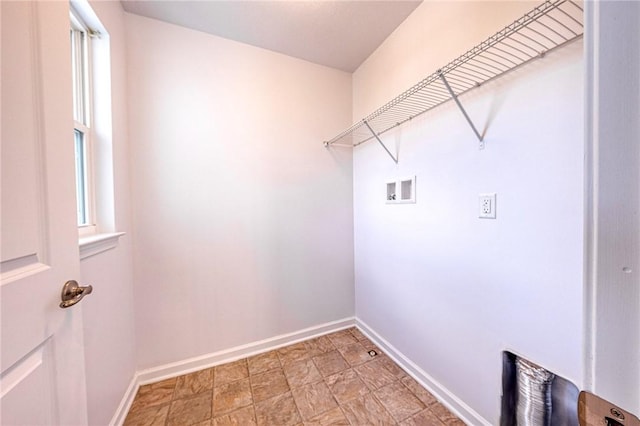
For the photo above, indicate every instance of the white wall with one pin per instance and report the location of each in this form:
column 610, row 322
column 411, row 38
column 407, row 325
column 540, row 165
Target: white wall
column 243, row 221
column 449, row 290
column 110, row 355
column 614, row 228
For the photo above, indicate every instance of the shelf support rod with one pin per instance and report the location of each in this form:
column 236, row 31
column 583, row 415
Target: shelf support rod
column 327, row 145
column 455, row 98
column 380, row 141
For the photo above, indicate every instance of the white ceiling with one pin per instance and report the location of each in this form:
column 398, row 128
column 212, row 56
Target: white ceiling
column 336, row 33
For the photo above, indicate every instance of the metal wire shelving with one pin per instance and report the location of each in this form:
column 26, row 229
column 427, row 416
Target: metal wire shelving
column 551, row 25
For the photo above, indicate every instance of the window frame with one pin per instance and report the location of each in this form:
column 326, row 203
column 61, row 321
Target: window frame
column 100, row 234
column 82, row 72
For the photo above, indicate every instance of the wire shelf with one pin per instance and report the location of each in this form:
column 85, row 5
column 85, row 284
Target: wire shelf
column 548, row 26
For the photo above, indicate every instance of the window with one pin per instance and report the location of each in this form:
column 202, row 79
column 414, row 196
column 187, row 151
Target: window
column 82, row 98
column 93, row 130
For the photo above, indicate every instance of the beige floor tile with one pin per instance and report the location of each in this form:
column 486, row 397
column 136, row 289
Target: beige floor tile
column 369, row 345
column 355, row 354
column 443, row 413
column 301, row 373
column 154, row 394
column 357, row 334
column 243, row 417
column 422, row 394
column 313, row 399
column 193, row 383
column 346, row 386
column 150, row 416
column 230, row 397
column 423, row 418
column 264, row 362
column 330, row 363
column 188, row 411
column 285, row 386
column 399, row 401
column 342, row 338
column 319, row 345
column 374, row 374
column 391, row 366
column 280, row 410
column 367, row 410
column 268, row 385
column 293, row 353
column 333, row 417
column 227, row 373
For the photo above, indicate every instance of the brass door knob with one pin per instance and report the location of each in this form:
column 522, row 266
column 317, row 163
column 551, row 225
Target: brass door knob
column 72, row 293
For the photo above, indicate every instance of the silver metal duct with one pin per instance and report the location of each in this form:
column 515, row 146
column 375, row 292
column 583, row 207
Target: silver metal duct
column 534, row 394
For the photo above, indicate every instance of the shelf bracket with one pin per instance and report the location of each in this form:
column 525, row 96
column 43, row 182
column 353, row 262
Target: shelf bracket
column 455, row 98
column 380, row 141
column 327, row 145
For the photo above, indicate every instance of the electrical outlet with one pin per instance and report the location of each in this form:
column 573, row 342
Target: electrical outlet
column 487, row 206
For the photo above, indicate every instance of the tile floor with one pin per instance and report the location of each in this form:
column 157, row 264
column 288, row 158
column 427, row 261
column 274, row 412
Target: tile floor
column 329, row 380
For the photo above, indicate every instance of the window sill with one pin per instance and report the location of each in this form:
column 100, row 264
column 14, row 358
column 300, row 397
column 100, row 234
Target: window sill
column 91, row 245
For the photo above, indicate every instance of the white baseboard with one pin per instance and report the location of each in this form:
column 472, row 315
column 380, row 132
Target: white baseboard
column 155, row 374
column 442, row 394
column 125, row 404
column 162, row 372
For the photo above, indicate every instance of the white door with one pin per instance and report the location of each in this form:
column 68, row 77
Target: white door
column 42, row 358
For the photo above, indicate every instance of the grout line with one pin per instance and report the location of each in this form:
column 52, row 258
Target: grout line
column 444, row 397
column 166, row 371
column 323, row 380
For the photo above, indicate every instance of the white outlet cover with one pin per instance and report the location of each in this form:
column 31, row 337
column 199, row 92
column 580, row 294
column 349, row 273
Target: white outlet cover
column 487, row 206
